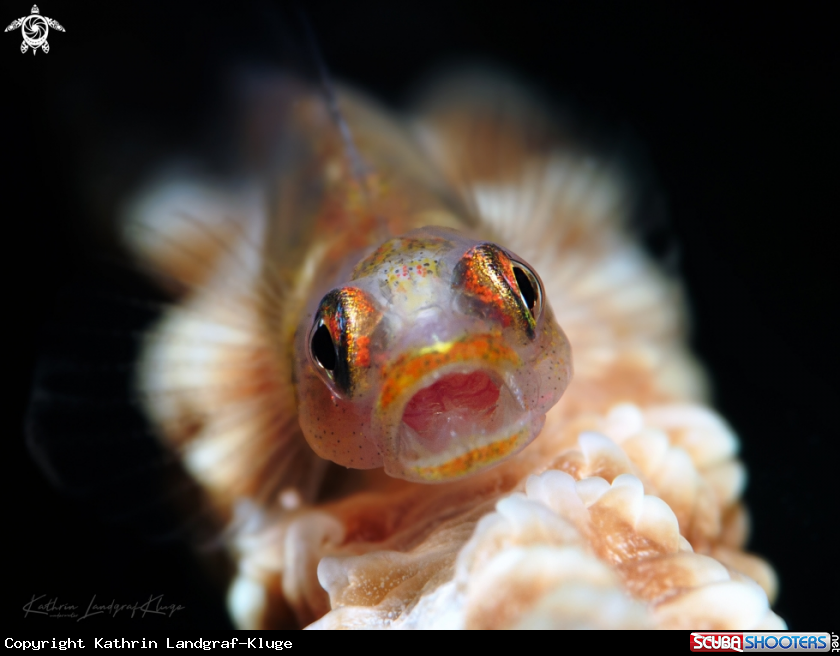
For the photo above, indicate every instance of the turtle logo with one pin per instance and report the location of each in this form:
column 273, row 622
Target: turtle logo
column 34, row 29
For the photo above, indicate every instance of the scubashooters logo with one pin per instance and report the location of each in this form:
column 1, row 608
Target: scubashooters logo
column 751, row 642
column 34, row 29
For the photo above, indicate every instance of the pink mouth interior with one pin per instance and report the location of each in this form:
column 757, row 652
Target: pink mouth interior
column 455, row 404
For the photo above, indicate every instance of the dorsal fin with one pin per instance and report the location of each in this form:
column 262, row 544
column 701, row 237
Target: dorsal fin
column 357, row 164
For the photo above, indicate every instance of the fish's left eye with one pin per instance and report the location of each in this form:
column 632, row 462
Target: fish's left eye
column 530, row 290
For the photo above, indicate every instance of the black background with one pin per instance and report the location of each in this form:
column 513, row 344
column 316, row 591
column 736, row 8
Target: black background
column 736, row 114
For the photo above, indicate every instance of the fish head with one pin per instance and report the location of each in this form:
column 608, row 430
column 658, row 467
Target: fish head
column 438, row 358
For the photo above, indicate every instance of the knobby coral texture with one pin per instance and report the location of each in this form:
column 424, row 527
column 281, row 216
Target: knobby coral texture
column 628, row 518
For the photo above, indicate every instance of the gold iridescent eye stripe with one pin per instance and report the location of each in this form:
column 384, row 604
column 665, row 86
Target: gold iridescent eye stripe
column 350, row 318
column 487, row 274
column 361, row 316
column 471, row 460
column 408, row 368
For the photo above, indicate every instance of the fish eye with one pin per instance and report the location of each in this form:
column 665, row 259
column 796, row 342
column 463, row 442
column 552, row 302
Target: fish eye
column 323, row 349
column 529, row 289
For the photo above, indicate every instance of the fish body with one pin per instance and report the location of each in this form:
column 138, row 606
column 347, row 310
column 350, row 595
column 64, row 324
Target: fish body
column 386, row 293
column 407, row 309
column 392, row 330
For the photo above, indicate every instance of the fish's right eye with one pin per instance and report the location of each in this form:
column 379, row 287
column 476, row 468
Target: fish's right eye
column 323, row 349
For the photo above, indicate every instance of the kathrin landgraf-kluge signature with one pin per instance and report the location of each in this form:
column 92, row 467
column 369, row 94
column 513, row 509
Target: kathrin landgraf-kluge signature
column 53, row 609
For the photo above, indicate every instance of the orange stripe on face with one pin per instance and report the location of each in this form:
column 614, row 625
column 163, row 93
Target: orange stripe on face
column 485, row 273
column 407, row 369
column 471, row 460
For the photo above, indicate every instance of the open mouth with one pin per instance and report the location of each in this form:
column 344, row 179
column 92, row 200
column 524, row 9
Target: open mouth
column 462, row 420
column 453, row 408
